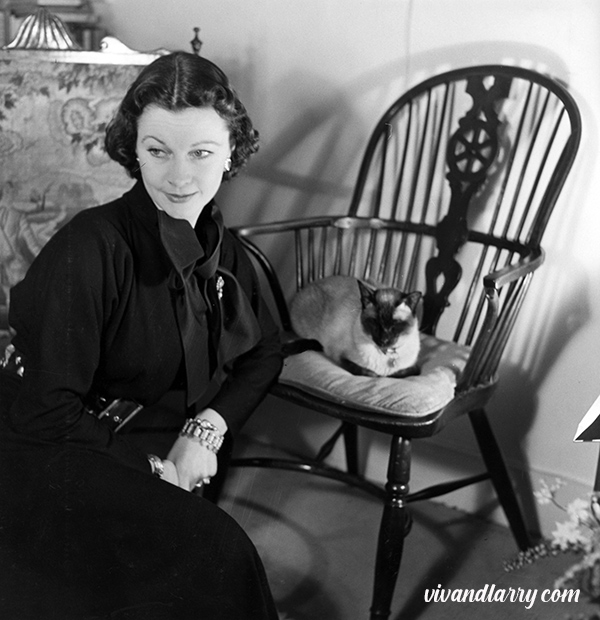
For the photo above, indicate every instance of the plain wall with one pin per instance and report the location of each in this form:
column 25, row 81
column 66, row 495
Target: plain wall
column 315, row 76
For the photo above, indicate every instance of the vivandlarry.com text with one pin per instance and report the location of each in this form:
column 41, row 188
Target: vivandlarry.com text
column 492, row 594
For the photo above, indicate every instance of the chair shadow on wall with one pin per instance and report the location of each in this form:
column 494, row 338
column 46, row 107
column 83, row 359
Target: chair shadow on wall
column 330, row 176
column 517, row 392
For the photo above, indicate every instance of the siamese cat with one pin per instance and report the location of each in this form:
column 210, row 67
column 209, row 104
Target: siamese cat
column 367, row 330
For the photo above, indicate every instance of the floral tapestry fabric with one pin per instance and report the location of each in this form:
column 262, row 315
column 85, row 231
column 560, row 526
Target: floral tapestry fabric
column 52, row 160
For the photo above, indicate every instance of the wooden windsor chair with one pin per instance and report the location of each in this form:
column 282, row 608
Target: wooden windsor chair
column 452, row 198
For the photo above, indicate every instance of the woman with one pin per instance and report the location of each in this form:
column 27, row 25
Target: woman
column 140, row 299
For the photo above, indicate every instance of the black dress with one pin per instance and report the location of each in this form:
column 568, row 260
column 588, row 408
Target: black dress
column 85, row 530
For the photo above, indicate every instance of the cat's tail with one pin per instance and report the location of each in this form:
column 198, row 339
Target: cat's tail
column 294, row 347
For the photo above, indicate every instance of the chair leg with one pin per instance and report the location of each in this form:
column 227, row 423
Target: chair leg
column 350, row 433
column 395, row 524
column 351, row 447
column 494, row 461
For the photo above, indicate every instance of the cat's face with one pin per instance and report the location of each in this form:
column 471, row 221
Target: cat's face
column 388, row 314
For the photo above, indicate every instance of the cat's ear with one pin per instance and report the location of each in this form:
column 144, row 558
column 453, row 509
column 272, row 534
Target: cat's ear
column 366, row 293
column 412, row 300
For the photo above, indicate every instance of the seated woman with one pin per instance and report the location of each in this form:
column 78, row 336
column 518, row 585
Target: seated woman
column 137, row 299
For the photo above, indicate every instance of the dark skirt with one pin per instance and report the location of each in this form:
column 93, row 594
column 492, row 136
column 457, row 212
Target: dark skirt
column 84, row 537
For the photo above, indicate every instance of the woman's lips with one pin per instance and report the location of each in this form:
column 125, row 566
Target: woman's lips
column 179, row 198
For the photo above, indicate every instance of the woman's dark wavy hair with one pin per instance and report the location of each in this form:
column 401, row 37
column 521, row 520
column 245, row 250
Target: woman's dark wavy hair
column 175, row 82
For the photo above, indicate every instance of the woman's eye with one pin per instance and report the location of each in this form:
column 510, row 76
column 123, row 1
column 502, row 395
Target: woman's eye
column 156, row 152
column 200, row 154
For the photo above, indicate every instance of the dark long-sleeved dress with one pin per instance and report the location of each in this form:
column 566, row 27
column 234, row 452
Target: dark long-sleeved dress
column 85, row 530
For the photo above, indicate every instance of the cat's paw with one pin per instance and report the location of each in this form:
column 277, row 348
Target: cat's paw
column 411, row 371
column 355, row 369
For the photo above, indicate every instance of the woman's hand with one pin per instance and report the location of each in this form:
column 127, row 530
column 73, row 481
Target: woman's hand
column 193, row 462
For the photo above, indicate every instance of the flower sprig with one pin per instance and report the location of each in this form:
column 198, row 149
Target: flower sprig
column 580, row 533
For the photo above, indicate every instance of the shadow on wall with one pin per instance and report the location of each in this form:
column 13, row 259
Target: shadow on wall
column 515, row 407
column 311, row 150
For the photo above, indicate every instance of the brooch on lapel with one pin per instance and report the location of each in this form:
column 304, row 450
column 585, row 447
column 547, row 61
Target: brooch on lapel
column 220, row 285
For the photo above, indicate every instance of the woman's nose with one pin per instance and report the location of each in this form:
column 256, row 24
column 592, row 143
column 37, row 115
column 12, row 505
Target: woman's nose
column 179, row 174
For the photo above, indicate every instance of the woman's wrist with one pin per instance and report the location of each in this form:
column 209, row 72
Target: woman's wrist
column 214, row 417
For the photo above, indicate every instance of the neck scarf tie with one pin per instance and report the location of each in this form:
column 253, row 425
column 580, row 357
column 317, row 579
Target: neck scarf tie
column 215, row 318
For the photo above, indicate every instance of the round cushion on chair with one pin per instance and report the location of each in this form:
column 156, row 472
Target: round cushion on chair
column 441, row 363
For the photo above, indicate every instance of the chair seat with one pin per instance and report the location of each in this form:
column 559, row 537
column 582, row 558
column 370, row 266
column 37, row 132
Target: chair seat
column 418, row 396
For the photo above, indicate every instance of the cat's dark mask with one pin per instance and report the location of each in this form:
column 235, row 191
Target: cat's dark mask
column 382, row 317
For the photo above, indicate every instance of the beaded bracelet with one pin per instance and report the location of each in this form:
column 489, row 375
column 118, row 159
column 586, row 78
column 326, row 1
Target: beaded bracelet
column 204, row 431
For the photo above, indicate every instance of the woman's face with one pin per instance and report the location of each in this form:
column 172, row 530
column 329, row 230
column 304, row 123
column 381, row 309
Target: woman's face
column 182, row 157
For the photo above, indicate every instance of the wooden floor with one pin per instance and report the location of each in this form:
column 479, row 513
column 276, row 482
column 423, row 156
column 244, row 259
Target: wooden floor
column 317, row 540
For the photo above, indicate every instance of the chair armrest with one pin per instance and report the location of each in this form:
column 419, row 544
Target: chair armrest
column 528, row 264
column 501, row 313
column 282, row 226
